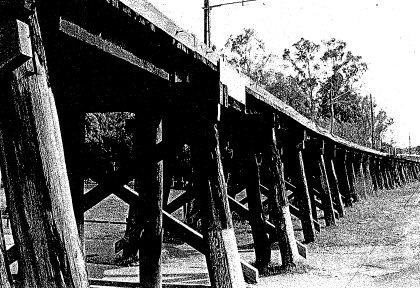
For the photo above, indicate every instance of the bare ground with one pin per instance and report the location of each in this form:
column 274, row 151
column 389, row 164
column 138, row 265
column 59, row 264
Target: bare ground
column 377, row 244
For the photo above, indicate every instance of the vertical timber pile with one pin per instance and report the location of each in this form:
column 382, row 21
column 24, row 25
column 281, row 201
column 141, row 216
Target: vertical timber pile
column 72, row 127
column 360, row 176
column 37, row 188
column 5, row 276
column 149, row 184
column 379, row 174
column 262, row 244
column 330, row 155
column 401, row 172
column 327, row 201
column 279, row 202
column 222, row 255
column 372, row 169
column 384, row 173
column 368, row 176
column 305, row 204
column 313, row 177
column 343, row 178
column 391, row 179
column 352, row 176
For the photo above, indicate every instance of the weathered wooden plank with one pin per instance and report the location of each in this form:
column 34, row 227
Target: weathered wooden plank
column 15, row 43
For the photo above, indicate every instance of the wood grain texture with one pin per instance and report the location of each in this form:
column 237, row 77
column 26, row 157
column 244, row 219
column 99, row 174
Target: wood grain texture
column 15, row 43
column 222, row 258
column 42, row 217
column 280, row 213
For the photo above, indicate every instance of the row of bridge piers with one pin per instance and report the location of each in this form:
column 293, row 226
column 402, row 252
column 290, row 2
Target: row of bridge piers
column 254, row 157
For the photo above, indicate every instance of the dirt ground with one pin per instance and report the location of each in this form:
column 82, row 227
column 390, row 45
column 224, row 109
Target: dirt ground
column 376, row 244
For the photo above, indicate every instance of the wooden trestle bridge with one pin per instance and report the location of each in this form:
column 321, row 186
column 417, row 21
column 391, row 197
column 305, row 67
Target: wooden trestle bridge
column 62, row 59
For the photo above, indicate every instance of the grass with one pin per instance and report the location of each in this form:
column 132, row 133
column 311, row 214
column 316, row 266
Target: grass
column 377, row 220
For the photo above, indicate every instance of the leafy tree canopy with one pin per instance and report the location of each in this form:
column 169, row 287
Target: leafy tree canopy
column 319, row 78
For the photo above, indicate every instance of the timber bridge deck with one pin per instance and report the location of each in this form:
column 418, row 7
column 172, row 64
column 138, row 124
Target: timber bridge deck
column 62, row 59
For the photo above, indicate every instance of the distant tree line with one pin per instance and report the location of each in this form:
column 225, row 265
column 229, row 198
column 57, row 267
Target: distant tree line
column 316, row 79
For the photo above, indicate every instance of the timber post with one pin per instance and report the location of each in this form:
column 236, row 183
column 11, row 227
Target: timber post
column 72, row 127
column 279, row 211
column 222, row 256
column 38, row 190
column 360, row 175
column 149, row 184
column 330, row 158
column 311, row 170
column 375, row 175
column 388, row 172
column 385, row 174
column 366, row 161
column 352, row 176
column 6, row 279
column 396, row 173
column 304, row 198
column 379, row 174
column 400, row 168
column 5, row 275
column 344, row 178
column 327, row 202
column 262, row 243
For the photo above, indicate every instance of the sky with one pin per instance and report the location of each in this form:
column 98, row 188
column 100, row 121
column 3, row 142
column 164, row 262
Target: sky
column 384, row 32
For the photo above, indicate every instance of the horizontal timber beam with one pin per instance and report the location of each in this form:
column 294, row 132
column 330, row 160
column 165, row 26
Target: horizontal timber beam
column 79, row 33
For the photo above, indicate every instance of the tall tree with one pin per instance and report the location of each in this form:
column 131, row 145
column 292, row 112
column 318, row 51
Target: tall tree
column 382, row 123
column 305, row 63
column 341, row 71
column 247, row 52
column 287, row 89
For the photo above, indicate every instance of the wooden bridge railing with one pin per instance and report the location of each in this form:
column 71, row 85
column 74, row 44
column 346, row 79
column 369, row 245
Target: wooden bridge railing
column 115, row 55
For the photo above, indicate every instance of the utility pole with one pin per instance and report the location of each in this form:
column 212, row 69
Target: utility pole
column 409, row 143
column 331, row 108
column 372, row 123
column 207, row 8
